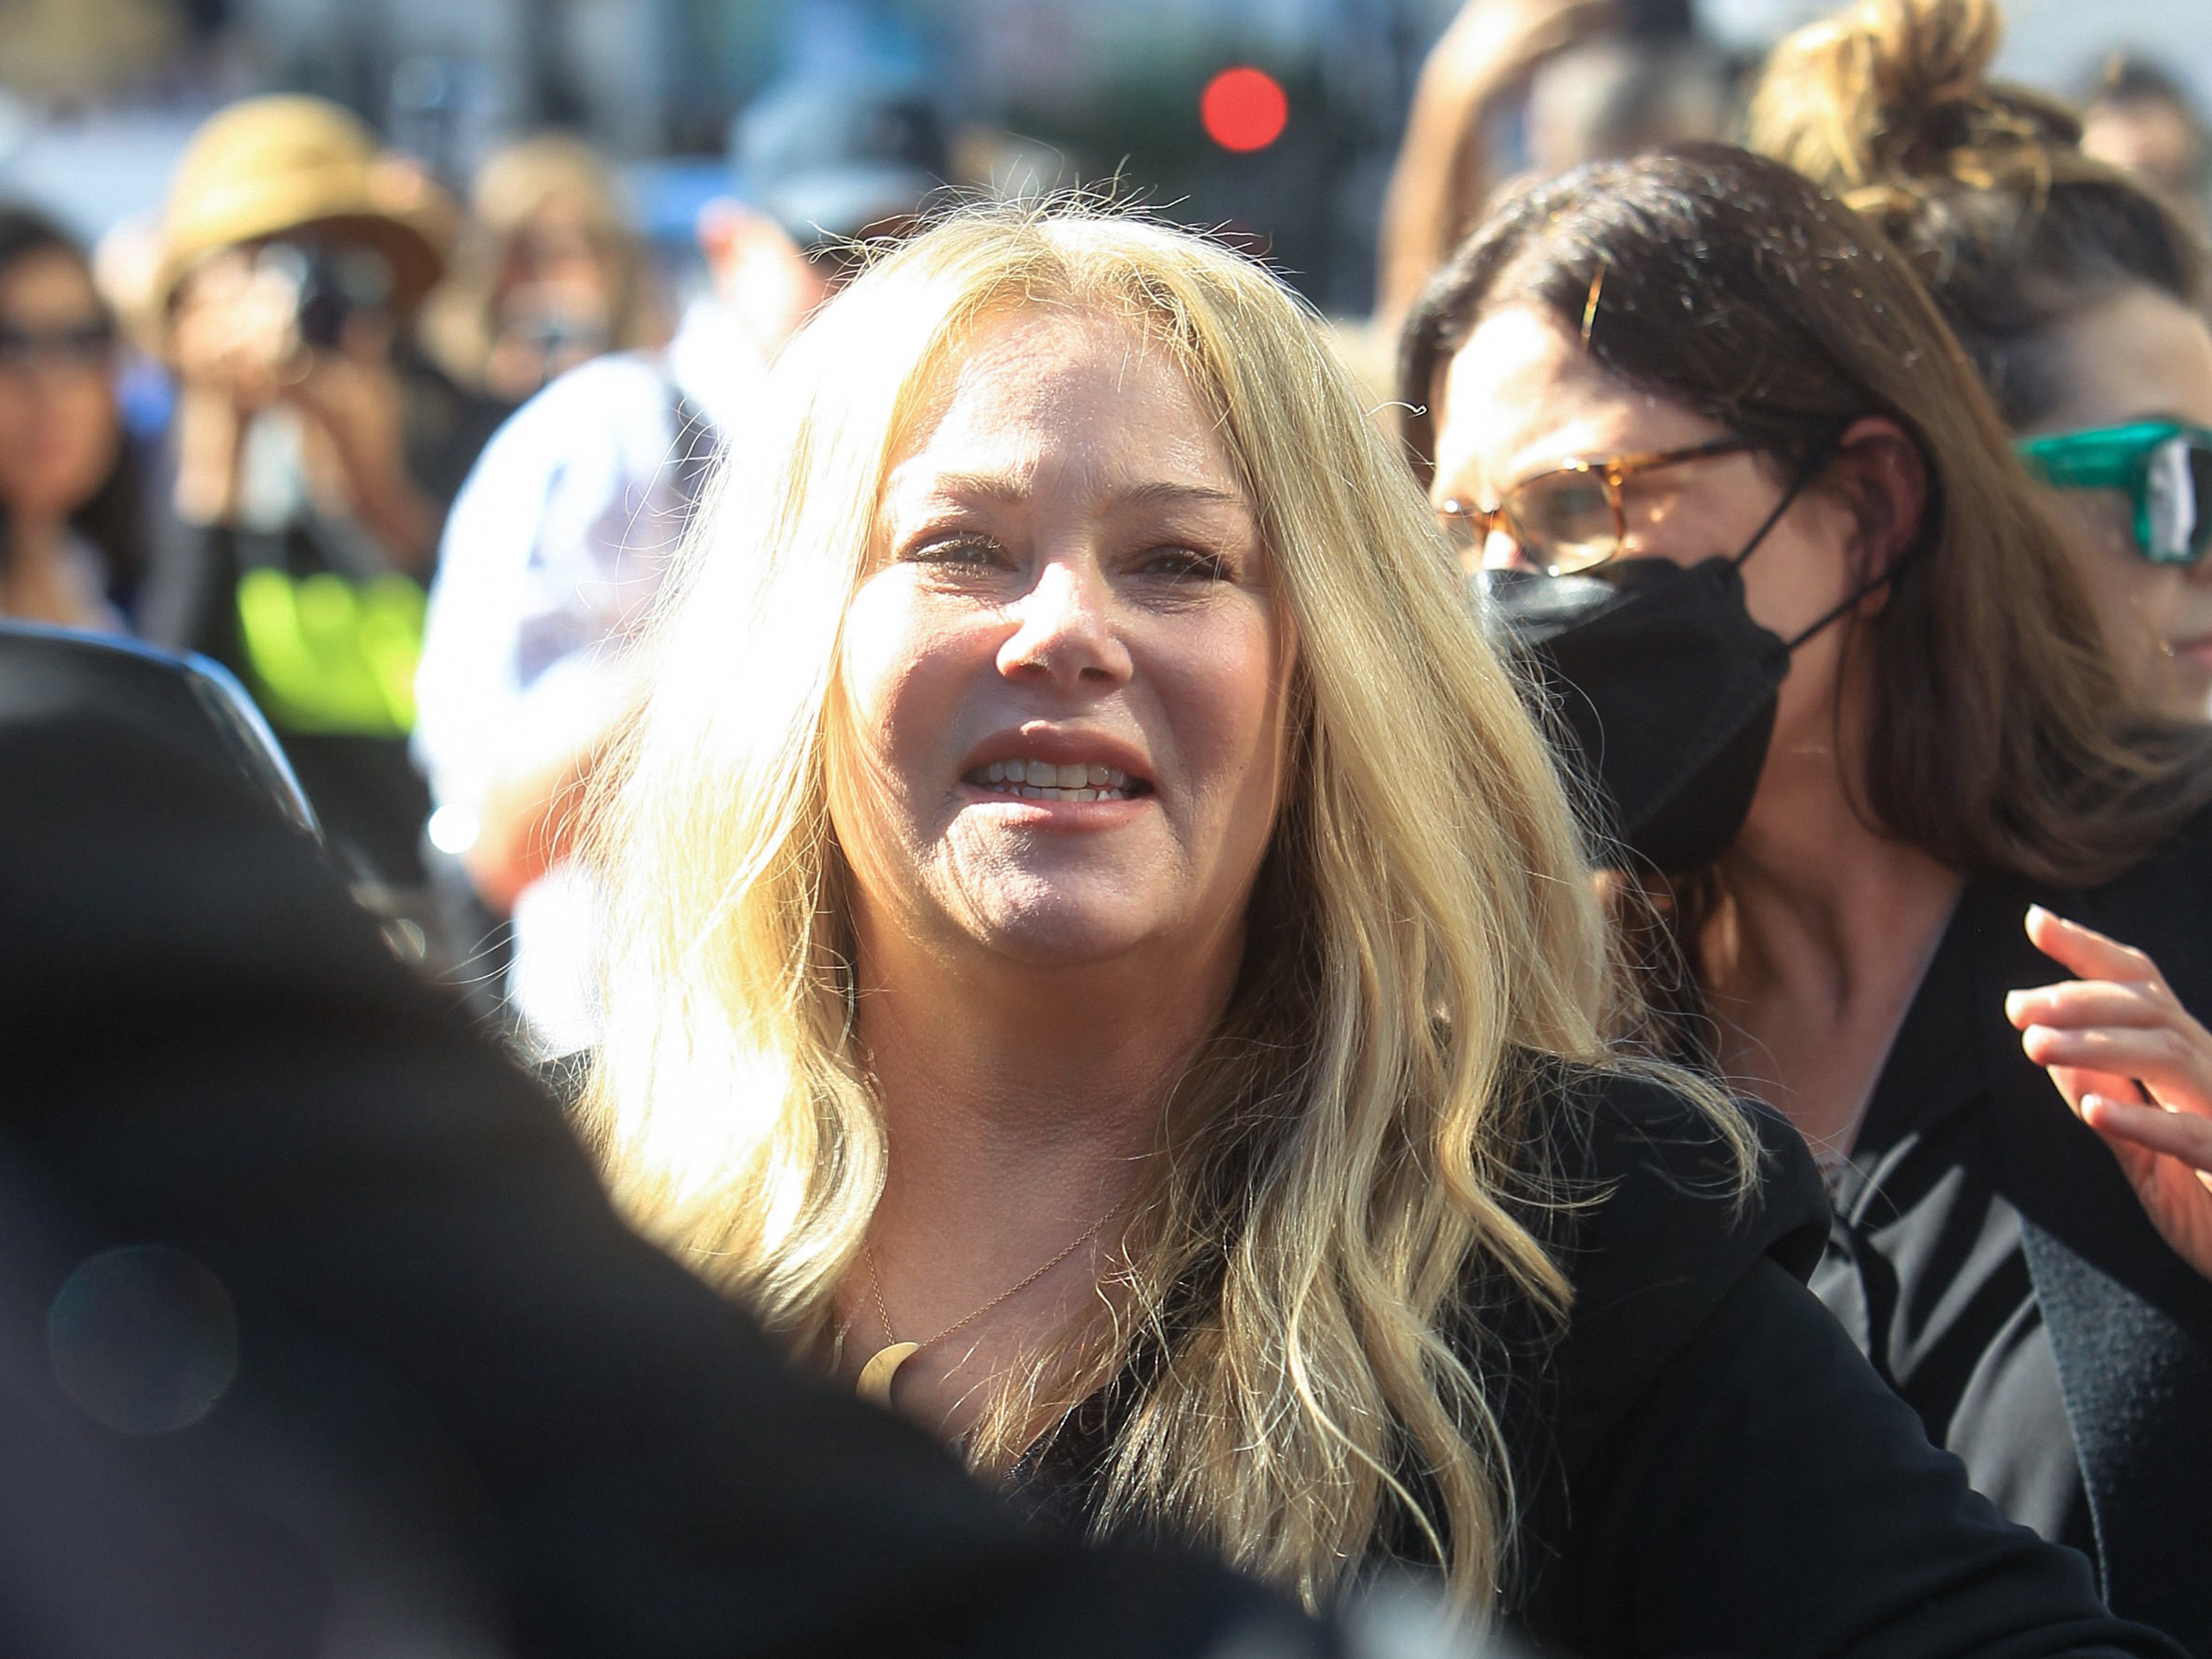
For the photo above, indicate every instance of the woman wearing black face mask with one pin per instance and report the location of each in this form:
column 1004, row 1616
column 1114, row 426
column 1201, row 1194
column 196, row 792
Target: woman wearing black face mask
column 1765, row 537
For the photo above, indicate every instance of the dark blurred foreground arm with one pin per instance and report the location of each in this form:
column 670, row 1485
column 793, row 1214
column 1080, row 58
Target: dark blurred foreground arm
column 206, row 1047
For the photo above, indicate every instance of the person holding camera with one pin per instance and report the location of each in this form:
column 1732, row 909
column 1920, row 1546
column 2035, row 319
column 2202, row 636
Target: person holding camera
column 315, row 452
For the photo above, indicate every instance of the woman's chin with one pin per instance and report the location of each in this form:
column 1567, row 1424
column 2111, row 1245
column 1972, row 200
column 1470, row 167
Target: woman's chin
column 1065, row 932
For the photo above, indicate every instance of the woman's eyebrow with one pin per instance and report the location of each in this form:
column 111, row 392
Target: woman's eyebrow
column 975, row 486
column 1166, row 493
column 1011, row 489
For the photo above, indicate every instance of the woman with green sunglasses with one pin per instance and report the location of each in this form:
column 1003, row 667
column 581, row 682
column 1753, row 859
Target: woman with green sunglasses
column 2165, row 466
column 2077, row 291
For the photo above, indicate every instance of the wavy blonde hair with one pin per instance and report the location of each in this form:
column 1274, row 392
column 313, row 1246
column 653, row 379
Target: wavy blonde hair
column 1351, row 1151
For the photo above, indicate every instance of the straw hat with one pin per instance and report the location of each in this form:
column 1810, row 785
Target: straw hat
column 267, row 165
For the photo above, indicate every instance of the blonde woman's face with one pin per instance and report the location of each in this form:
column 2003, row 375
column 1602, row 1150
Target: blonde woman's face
column 1063, row 685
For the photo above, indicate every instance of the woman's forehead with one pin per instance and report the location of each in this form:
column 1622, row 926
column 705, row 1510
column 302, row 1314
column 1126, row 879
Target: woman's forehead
column 1521, row 393
column 47, row 280
column 1042, row 386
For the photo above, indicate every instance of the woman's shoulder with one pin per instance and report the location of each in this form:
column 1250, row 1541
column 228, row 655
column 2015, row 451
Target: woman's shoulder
column 1637, row 1154
column 1655, row 1219
column 2181, row 861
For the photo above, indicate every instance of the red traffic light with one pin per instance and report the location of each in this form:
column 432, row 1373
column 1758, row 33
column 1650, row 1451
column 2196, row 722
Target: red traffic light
column 1245, row 109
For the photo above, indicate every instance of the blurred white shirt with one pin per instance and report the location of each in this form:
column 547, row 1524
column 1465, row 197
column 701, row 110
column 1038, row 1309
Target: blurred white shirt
column 553, row 553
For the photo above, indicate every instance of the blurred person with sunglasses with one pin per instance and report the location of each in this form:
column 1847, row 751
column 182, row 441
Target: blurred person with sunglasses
column 71, row 529
column 2142, row 492
column 2077, row 288
column 1898, row 842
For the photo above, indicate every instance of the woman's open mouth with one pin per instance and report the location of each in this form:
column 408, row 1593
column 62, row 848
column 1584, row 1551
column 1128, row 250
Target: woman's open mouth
column 1035, row 780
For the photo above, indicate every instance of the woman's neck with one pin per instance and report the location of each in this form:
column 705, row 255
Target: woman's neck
column 33, row 584
column 1812, row 961
column 1020, row 1103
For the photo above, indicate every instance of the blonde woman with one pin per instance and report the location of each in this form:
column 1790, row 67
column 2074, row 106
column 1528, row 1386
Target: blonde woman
column 551, row 272
column 1102, row 963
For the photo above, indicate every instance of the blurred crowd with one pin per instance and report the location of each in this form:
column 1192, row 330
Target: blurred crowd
column 245, row 431
column 263, row 428
column 415, row 462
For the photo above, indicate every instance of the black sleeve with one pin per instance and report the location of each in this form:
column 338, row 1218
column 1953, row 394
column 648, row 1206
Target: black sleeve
column 1767, row 1495
column 208, row 1049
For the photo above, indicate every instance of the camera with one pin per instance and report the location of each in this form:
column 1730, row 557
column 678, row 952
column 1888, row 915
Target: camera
column 330, row 286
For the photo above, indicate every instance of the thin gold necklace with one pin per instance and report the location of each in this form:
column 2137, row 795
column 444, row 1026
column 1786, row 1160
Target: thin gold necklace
column 875, row 1380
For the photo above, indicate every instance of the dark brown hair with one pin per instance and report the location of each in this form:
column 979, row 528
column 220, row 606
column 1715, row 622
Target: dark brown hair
column 2003, row 738
column 1984, row 186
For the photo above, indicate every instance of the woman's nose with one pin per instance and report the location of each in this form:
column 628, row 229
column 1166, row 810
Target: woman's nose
column 1066, row 628
column 1500, row 551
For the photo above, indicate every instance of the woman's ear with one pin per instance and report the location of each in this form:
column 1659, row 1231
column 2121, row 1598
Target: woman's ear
column 1883, row 475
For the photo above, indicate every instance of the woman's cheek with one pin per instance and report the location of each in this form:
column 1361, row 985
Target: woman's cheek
column 1221, row 687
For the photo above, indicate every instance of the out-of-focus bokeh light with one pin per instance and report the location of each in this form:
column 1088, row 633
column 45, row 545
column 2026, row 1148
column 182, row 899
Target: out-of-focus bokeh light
column 1245, row 109
column 454, row 828
column 143, row 1338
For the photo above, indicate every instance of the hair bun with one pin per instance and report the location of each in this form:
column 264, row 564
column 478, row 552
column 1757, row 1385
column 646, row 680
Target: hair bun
column 1926, row 56
column 1890, row 91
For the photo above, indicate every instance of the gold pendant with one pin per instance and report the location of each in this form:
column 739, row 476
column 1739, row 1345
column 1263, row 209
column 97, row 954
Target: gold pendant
column 875, row 1384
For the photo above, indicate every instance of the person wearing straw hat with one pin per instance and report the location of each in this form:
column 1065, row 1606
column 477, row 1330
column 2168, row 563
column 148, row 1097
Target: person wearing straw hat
column 315, row 451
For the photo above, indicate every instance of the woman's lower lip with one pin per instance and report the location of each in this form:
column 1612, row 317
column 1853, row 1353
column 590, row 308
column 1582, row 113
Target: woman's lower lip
column 1113, row 809
column 2198, row 651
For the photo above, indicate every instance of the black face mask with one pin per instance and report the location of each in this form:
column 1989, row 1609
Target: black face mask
column 1666, row 685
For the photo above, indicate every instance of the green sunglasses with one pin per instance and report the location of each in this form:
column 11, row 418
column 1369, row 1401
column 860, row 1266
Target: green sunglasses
column 2165, row 467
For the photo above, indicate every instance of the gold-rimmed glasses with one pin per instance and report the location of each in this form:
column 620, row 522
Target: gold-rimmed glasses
column 1569, row 517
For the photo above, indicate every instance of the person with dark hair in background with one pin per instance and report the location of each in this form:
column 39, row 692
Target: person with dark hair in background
column 1741, row 496
column 2078, row 290
column 315, row 450
column 71, row 523
column 557, row 547
column 1599, row 77
column 2140, row 118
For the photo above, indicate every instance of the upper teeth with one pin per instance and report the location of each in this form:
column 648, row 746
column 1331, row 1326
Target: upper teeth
column 1044, row 781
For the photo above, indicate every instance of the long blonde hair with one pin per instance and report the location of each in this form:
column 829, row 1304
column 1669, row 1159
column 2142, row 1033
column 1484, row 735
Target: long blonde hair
column 1350, row 1153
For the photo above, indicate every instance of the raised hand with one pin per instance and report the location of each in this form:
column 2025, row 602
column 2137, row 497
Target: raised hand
column 2135, row 1065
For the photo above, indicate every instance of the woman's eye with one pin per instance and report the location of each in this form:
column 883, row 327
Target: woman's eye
column 957, row 550
column 1186, row 561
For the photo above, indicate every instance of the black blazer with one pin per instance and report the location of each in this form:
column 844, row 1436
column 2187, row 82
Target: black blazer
column 1705, row 1463
column 2130, row 1322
